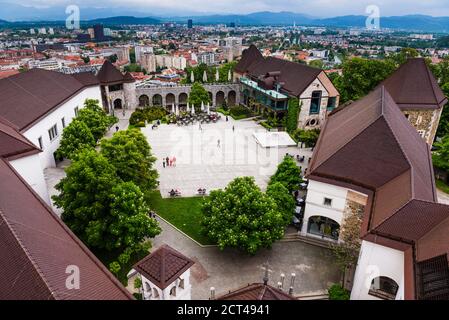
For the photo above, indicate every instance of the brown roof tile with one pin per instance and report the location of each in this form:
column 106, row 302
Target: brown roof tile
column 249, row 56
column 163, row 266
column 36, row 248
column 413, row 86
column 29, row 96
column 257, row 291
column 12, row 142
column 109, row 75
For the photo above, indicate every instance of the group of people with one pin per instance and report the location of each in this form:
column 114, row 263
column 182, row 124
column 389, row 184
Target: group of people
column 169, row 162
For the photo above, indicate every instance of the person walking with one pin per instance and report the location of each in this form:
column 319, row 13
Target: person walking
column 233, row 129
column 116, row 128
column 174, row 161
column 167, row 160
column 218, row 143
column 163, row 163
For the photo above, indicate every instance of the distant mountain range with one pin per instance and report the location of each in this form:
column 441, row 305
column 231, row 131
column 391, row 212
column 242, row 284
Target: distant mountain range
column 22, row 16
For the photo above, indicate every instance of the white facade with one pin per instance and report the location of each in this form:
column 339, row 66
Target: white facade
column 30, row 170
column 308, row 120
column 317, row 192
column 180, row 289
column 377, row 261
column 65, row 111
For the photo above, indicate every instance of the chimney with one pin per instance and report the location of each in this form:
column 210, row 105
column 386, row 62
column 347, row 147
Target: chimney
column 212, row 293
column 282, row 280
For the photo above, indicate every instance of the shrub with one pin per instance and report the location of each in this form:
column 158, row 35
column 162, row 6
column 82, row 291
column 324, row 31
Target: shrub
column 239, row 111
column 266, row 125
column 140, row 124
column 147, row 114
column 337, row 292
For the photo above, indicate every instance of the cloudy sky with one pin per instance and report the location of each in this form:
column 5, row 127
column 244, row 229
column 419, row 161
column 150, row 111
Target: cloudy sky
column 318, row 8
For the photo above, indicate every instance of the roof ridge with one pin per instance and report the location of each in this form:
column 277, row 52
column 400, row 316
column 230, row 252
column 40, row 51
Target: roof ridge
column 431, row 82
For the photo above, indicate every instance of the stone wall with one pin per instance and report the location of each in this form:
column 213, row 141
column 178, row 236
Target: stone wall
column 425, row 122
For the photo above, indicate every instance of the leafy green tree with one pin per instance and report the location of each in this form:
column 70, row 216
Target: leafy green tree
column 104, row 212
column 198, row 94
column 443, row 128
column 319, row 64
column 129, row 152
column 288, row 174
column 405, row 54
column 360, row 76
column 293, row 113
column 84, row 193
column 309, row 137
column 75, row 137
column 284, row 200
column 242, row 216
column 95, row 118
column 337, row 292
column 441, row 156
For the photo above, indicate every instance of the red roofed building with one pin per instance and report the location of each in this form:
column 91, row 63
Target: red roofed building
column 370, row 161
column 165, row 275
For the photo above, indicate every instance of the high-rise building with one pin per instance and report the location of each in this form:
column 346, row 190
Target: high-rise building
column 148, row 61
column 99, row 32
column 190, row 24
column 140, row 50
column 91, row 33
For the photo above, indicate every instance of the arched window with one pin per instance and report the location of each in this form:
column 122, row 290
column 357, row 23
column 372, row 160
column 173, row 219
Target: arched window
column 155, row 293
column 144, row 101
column 324, row 227
column 173, row 291
column 384, row 288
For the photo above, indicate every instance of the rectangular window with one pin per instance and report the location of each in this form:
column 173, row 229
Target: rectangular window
column 315, row 102
column 53, row 132
column 41, row 145
column 63, row 123
column 331, row 103
column 76, row 112
column 327, row 202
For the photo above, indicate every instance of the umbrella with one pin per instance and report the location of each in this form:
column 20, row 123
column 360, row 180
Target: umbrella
column 173, row 108
column 192, row 77
column 229, row 75
column 217, row 76
column 202, row 106
column 188, row 108
column 177, row 111
column 208, row 109
column 204, row 76
column 193, row 109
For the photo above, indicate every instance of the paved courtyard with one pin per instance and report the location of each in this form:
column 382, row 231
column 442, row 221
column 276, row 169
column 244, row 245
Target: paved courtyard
column 230, row 269
column 213, row 155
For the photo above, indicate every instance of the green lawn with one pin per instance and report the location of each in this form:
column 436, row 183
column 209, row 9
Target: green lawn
column 442, row 186
column 184, row 213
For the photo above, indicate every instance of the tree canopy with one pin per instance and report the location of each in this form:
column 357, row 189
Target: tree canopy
column 129, row 152
column 198, row 94
column 95, row 118
column 288, row 174
column 242, row 216
column 283, row 198
column 76, row 136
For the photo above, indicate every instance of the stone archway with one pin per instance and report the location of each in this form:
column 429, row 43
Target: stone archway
column 157, row 100
column 232, row 98
column 170, row 99
column 324, row 227
column 183, row 98
column 118, row 104
column 220, row 98
column 144, row 101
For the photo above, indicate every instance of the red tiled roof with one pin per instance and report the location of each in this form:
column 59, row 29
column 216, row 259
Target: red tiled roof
column 36, row 248
column 413, row 86
column 163, row 266
column 29, row 96
column 257, row 291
